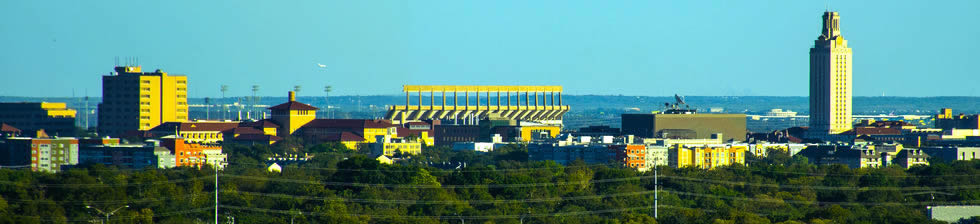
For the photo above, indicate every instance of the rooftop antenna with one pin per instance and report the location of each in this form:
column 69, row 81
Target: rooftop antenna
column 679, row 100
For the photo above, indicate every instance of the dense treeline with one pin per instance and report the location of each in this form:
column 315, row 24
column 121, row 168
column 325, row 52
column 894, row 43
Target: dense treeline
column 341, row 186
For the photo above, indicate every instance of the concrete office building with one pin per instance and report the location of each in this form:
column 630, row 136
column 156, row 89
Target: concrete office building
column 133, row 100
column 830, row 81
column 685, row 125
column 55, row 118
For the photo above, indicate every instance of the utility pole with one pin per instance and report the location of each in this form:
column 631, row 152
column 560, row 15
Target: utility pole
column 255, row 89
column 656, row 192
column 207, row 103
column 215, row 191
column 326, row 99
column 87, row 113
column 224, row 114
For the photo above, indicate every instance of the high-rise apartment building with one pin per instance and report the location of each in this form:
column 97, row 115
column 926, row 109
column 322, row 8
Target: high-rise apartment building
column 830, row 80
column 133, row 100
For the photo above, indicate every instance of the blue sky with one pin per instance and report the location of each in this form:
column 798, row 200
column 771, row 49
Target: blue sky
column 652, row 48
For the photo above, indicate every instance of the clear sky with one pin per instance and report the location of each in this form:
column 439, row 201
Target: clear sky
column 653, row 48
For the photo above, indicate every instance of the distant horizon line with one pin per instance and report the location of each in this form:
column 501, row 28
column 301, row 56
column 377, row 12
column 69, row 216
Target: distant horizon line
column 396, row 95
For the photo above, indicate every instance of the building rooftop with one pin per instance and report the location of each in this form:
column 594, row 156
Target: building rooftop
column 348, row 123
column 195, row 126
column 264, row 123
column 4, row 127
column 293, row 105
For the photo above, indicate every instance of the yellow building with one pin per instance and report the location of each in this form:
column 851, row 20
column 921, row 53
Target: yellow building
column 706, row 157
column 388, row 146
column 292, row 115
column 133, row 100
column 54, row 118
column 529, row 133
column 763, row 149
column 298, row 119
column 830, row 80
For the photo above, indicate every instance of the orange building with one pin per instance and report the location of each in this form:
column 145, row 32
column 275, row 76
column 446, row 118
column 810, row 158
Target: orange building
column 192, row 154
column 631, row 156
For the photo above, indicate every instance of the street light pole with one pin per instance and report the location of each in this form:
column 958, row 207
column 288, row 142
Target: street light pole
column 656, row 192
column 525, row 215
column 107, row 215
column 461, row 221
column 215, row 191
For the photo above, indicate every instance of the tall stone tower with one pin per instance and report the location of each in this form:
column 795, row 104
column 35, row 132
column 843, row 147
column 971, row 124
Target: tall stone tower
column 830, row 80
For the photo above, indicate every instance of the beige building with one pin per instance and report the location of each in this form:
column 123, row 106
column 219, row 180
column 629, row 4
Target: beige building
column 133, row 100
column 830, row 80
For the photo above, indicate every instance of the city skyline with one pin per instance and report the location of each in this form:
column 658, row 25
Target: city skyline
column 376, row 52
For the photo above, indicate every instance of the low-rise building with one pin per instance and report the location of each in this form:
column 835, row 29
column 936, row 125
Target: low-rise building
column 713, row 140
column 706, row 157
column 762, row 149
column 953, row 153
column 388, row 146
column 217, row 132
column 911, row 157
column 474, row 146
column 40, row 154
column 847, row 155
column 632, row 156
column 165, row 159
column 193, row 154
column 204, row 132
column 125, row 156
column 591, row 154
column 946, row 120
column 54, row 118
column 657, row 155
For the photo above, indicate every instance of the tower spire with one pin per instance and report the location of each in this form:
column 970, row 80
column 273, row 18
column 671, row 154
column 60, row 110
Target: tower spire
column 831, row 25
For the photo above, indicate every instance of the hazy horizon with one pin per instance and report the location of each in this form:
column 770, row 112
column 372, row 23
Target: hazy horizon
column 745, row 48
